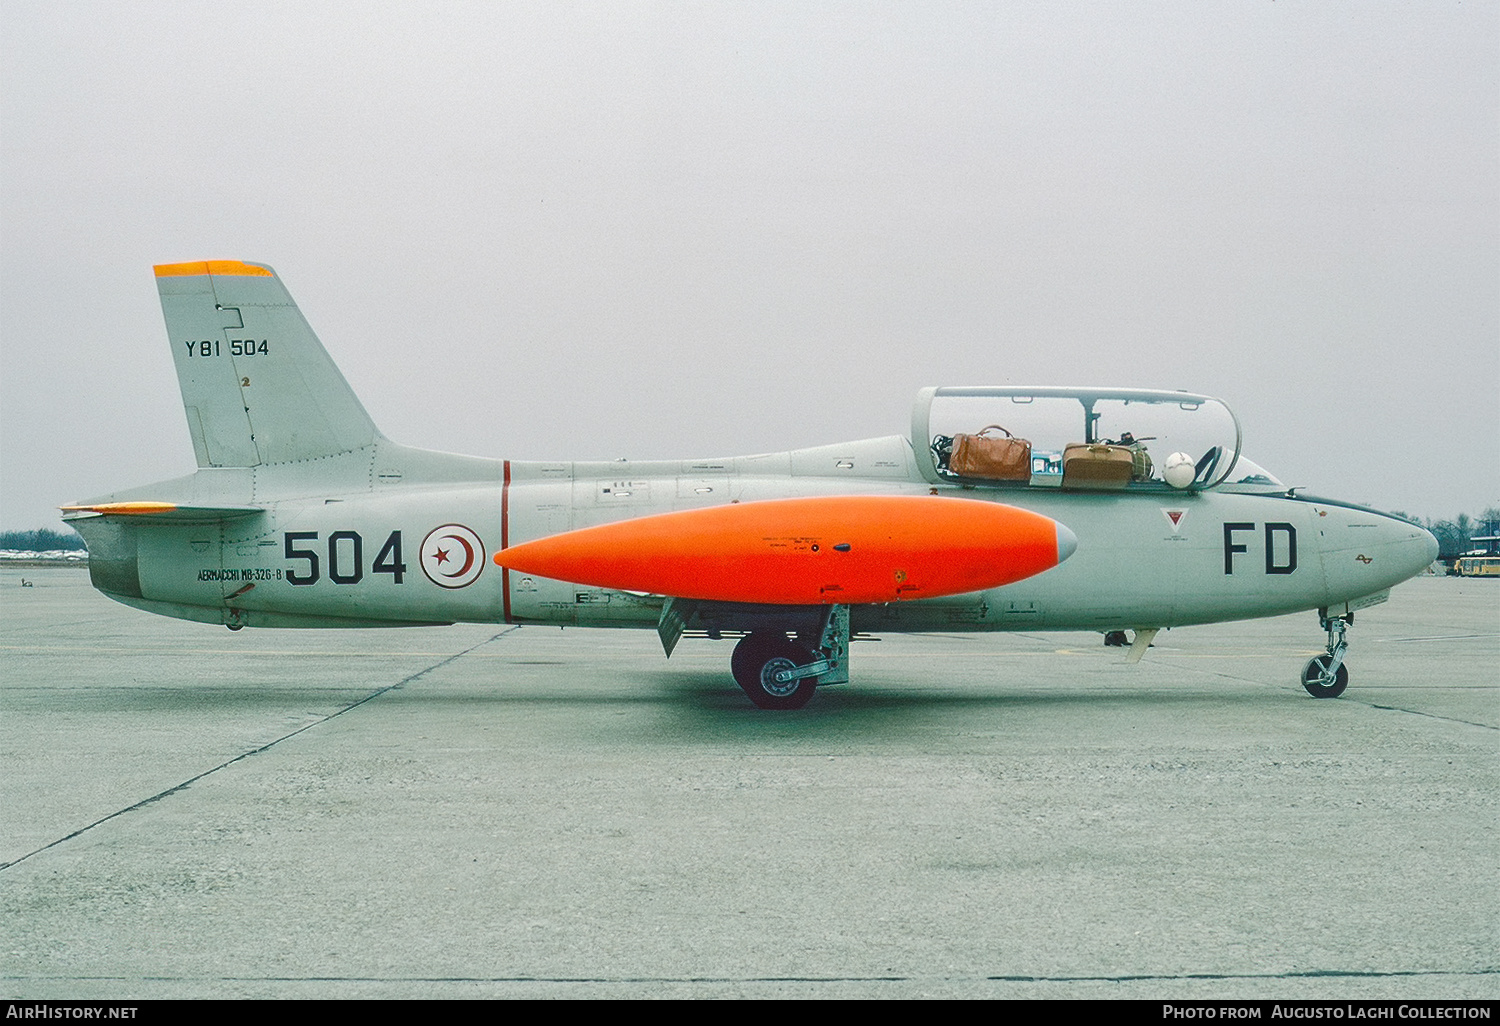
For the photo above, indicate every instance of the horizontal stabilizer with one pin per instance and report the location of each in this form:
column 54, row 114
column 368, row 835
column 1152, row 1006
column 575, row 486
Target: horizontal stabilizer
column 159, row 511
column 847, row 550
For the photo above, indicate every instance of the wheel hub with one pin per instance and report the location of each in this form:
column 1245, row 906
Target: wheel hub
column 770, row 675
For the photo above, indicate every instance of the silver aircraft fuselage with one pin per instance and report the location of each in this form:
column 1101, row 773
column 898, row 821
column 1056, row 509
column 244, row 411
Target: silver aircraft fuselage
column 302, row 514
column 1157, row 559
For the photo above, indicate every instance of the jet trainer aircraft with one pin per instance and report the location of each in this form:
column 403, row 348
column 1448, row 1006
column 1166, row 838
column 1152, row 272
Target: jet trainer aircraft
column 1015, row 508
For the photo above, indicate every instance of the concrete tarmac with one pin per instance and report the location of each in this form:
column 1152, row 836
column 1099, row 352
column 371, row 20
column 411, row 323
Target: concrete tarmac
column 483, row 811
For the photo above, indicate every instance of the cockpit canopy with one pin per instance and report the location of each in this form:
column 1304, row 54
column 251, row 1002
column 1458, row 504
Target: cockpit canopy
column 1076, row 438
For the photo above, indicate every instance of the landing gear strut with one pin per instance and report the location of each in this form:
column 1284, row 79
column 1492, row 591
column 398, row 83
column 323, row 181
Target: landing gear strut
column 778, row 672
column 1326, row 676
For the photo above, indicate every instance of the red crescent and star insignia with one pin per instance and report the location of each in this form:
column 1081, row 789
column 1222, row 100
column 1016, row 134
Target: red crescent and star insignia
column 452, row 556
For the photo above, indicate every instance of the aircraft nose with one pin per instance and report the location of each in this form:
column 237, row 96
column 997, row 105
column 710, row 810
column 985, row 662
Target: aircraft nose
column 1426, row 550
column 1407, row 549
column 1067, row 542
column 1411, row 548
column 1430, row 547
column 1368, row 551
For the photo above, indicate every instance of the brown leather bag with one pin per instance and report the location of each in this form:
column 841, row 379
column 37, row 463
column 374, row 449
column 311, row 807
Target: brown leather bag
column 1097, row 466
column 992, row 458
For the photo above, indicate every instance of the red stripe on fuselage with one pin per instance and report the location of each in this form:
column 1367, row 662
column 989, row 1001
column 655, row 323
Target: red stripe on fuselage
column 505, row 539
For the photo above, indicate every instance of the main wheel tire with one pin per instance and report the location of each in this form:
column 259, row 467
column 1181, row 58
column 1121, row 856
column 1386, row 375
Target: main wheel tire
column 756, row 661
column 1314, row 673
column 748, row 654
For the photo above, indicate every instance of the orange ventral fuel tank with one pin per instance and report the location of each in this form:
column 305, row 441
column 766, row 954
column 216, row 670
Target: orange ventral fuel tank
column 845, row 549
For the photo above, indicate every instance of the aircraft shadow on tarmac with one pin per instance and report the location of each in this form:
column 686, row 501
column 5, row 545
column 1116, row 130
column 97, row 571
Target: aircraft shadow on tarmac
column 709, row 693
column 696, row 699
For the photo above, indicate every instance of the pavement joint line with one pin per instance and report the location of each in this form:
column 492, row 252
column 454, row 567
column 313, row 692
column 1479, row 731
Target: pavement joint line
column 78, row 623
column 1223, row 676
column 1437, row 637
column 255, row 751
column 1372, row 705
column 1431, row 716
column 1357, row 701
column 1352, row 974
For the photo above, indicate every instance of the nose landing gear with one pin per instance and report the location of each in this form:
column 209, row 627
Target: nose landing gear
column 1326, row 676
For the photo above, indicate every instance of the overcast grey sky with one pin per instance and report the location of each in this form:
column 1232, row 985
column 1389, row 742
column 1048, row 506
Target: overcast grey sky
column 572, row 231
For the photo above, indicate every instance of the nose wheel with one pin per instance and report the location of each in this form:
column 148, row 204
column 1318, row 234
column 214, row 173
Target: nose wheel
column 1326, row 676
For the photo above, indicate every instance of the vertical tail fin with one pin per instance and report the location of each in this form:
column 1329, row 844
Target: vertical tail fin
column 257, row 385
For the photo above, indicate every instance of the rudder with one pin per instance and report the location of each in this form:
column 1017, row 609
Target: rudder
column 257, row 385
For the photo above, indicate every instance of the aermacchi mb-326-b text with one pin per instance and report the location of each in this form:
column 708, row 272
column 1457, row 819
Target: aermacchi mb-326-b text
column 1003, row 508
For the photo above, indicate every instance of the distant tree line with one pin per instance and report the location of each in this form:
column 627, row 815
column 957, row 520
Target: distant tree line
column 41, row 540
column 1456, row 536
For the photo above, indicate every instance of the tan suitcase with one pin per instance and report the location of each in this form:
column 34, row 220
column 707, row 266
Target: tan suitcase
column 993, row 458
column 1097, row 466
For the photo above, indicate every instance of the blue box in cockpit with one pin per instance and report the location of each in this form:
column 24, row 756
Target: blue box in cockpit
column 1046, row 468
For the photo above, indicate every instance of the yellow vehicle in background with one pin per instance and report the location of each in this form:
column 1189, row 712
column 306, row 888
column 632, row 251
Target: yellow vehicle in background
column 1481, row 561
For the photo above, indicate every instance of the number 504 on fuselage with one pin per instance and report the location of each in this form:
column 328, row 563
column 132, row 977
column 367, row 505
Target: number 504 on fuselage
column 1016, row 508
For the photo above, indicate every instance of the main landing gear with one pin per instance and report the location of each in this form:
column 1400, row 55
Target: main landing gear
column 775, row 671
column 1326, row 676
column 781, row 672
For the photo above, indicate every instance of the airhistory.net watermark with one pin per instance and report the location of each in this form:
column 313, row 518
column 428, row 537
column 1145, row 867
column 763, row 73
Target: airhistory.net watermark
column 54, row 1010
